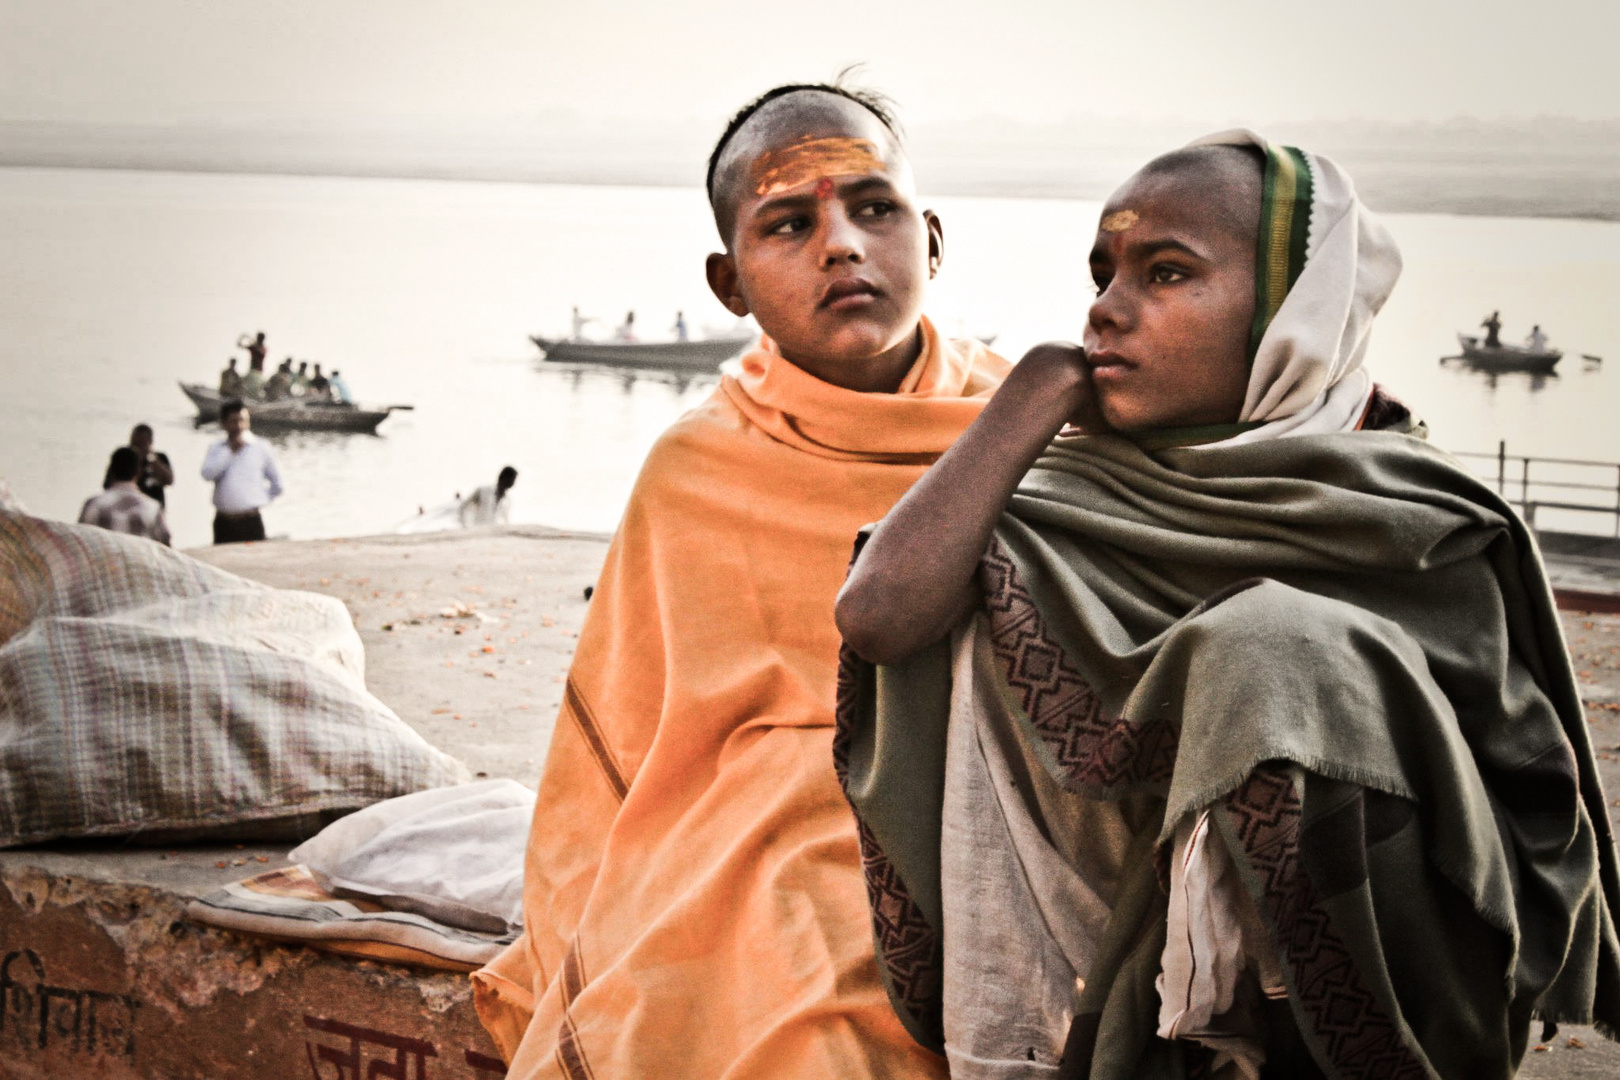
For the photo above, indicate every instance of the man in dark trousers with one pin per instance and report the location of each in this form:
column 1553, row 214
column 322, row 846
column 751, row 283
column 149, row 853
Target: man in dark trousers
column 244, row 475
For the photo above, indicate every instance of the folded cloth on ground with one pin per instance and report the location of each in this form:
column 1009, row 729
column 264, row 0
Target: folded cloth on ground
column 290, row 905
column 453, row 854
column 146, row 694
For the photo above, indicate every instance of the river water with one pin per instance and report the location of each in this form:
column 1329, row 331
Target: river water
column 116, row 285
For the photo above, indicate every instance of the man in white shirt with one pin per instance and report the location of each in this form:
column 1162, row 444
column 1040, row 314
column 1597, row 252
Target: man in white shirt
column 1537, row 340
column 122, row 506
column 489, row 505
column 244, row 475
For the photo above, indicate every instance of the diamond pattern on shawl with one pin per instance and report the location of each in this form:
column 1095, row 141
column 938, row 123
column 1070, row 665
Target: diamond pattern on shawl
column 908, row 947
column 1090, row 747
column 1350, row 1024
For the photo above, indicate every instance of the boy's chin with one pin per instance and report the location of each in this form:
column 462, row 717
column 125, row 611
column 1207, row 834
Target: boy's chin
column 848, row 346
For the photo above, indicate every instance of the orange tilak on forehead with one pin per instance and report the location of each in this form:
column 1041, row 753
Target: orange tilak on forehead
column 1119, row 221
column 810, row 159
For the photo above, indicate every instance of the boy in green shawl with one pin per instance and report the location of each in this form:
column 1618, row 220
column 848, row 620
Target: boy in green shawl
column 1199, row 717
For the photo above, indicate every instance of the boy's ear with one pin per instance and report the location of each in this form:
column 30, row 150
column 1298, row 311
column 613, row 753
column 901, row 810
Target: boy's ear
column 721, row 271
column 936, row 241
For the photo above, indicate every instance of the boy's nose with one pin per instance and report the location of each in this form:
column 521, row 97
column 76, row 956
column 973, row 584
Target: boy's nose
column 1112, row 308
column 842, row 240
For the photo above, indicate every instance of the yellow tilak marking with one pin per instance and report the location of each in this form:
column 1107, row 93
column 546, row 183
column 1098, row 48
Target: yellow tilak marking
column 1119, row 221
column 1282, row 224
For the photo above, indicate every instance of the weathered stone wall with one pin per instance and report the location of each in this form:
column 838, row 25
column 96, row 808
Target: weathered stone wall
column 102, row 979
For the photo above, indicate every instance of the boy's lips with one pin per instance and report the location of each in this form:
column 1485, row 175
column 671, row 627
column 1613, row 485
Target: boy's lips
column 1106, row 364
column 848, row 293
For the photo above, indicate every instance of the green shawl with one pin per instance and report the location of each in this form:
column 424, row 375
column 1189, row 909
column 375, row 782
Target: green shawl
column 1345, row 647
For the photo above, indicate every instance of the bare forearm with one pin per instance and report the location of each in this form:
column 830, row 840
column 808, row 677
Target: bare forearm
column 915, row 577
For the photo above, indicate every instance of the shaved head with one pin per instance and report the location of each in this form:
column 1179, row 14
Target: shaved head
column 1226, row 184
column 792, row 134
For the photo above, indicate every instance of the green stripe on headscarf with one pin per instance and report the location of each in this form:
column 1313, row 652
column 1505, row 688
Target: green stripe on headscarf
column 1285, row 222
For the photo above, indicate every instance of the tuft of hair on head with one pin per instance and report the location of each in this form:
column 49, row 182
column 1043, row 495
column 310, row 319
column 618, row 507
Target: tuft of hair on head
column 125, row 464
column 507, row 478
column 878, row 104
column 229, row 409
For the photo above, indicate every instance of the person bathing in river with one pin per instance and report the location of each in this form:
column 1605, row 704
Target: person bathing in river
column 1219, row 725
column 488, row 505
column 693, row 902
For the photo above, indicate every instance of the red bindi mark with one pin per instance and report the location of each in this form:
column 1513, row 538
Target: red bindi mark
column 824, row 188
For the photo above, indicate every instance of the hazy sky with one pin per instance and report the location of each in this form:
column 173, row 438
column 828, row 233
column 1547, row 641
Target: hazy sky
column 491, row 62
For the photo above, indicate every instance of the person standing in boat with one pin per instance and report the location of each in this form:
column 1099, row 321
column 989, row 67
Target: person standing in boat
column 256, row 348
column 252, row 382
column 576, row 328
column 1493, row 330
column 244, row 476
column 279, row 386
column 1536, row 340
column 230, row 381
column 627, row 329
column 340, row 389
column 679, row 329
column 320, row 387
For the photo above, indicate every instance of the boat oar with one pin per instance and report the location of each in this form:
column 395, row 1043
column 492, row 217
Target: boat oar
column 402, row 408
column 1589, row 358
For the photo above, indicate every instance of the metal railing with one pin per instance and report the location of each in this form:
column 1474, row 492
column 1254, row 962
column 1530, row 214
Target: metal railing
column 1545, row 483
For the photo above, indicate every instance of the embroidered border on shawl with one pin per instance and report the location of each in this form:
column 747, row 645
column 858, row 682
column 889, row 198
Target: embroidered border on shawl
column 1089, row 747
column 588, row 727
column 909, row 948
column 1285, row 218
column 570, row 1052
column 1349, row 1023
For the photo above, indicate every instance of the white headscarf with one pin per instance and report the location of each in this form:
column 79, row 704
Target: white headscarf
column 1328, row 266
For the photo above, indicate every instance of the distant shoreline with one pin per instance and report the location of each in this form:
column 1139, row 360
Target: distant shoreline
column 1419, row 198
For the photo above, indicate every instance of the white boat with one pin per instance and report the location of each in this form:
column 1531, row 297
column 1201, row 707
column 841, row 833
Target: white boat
column 704, row 354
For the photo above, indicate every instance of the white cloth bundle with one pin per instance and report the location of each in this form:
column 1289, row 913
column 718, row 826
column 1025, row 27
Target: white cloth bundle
column 454, row 854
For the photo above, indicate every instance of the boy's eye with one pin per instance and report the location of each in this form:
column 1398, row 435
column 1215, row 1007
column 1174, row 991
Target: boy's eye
column 1099, row 282
column 791, row 225
column 879, row 208
column 1165, row 275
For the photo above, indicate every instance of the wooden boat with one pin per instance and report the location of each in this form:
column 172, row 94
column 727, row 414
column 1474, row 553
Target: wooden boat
column 701, row 355
column 293, row 414
column 1507, row 357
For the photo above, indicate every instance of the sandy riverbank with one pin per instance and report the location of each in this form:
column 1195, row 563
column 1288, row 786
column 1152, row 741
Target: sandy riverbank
column 468, row 635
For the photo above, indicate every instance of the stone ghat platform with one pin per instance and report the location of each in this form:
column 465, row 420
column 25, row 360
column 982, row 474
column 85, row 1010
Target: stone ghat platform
column 102, row 975
column 468, row 636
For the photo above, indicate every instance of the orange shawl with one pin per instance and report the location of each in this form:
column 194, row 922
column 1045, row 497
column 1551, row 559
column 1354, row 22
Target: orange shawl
column 693, row 897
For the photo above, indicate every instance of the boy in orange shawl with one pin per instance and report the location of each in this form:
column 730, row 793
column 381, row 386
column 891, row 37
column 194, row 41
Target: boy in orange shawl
column 693, row 903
